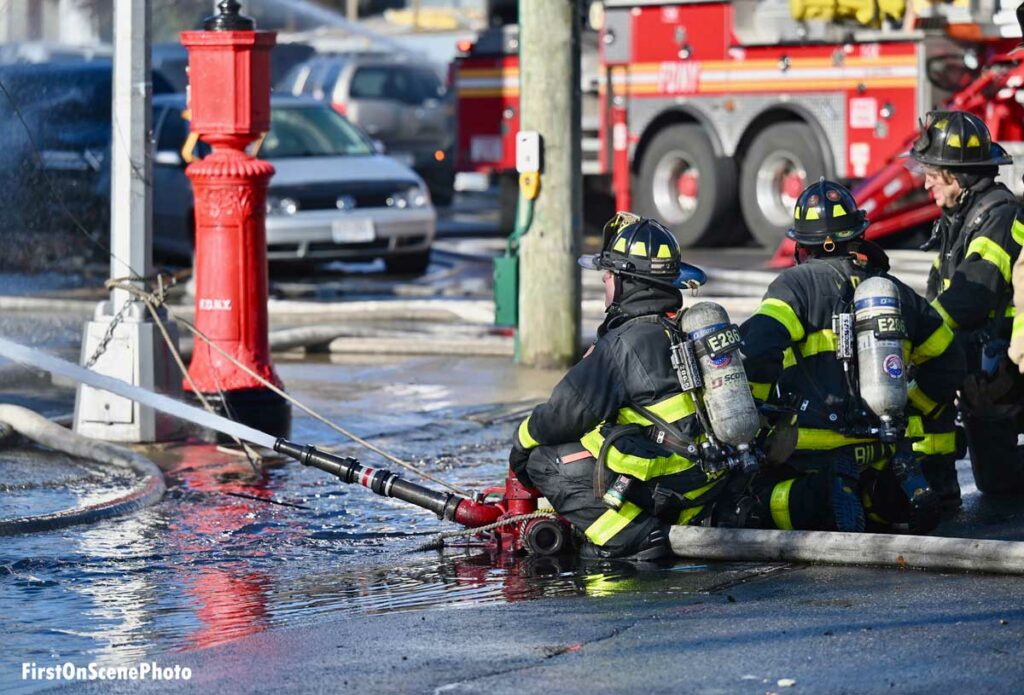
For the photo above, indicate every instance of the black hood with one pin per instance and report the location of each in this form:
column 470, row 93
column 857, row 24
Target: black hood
column 634, row 297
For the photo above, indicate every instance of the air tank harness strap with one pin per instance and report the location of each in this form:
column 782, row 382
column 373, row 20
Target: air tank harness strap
column 615, row 433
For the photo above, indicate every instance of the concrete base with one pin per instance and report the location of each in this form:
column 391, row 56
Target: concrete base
column 137, row 354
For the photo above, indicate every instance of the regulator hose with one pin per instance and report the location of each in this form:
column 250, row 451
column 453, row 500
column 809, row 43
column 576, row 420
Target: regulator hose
column 37, row 428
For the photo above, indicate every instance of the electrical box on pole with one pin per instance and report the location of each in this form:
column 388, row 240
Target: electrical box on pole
column 549, row 176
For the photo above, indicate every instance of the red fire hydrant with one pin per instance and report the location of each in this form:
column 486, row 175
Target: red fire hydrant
column 229, row 100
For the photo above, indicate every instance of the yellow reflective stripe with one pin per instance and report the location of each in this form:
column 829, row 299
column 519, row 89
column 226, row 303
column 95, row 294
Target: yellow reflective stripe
column 993, row 253
column 610, row 523
column 929, row 444
column 933, row 346
column 525, row 439
column 1018, row 325
column 815, row 439
column 814, row 344
column 947, row 319
column 760, row 391
column 687, row 515
column 784, row 314
column 936, row 263
column 671, row 409
column 779, row 505
column 1018, row 232
column 915, row 426
column 637, row 466
column 696, row 494
column 818, row 342
column 936, row 444
column 920, row 399
column 664, row 251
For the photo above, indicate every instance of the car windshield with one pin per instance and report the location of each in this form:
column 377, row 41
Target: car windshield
column 312, row 131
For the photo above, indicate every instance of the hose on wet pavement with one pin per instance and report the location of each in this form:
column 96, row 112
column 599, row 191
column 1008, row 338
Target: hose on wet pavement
column 148, row 490
column 861, row 549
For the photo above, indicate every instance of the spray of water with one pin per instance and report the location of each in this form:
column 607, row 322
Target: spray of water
column 54, row 365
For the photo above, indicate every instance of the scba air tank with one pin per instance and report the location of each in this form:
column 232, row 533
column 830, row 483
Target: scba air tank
column 880, row 332
column 726, row 394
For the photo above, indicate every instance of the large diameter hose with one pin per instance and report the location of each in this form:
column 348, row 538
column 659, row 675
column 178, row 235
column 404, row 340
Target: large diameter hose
column 919, row 552
column 37, row 428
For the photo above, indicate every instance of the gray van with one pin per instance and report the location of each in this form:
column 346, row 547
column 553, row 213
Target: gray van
column 404, row 105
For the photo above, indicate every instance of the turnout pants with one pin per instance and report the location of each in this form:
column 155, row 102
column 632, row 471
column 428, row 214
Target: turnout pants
column 799, row 493
column 565, row 476
column 992, row 408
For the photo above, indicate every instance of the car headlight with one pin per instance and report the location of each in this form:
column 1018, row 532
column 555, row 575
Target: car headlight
column 412, row 197
column 282, row 206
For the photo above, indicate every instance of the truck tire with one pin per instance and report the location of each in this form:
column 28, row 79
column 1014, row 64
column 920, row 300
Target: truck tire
column 682, row 184
column 782, row 160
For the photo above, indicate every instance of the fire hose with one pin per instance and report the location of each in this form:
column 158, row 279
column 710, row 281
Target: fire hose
column 149, row 489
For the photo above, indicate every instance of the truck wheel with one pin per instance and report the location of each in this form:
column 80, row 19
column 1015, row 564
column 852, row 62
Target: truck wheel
column 683, row 185
column 782, row 160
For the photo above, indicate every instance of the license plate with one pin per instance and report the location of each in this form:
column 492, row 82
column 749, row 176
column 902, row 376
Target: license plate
column 352, row 231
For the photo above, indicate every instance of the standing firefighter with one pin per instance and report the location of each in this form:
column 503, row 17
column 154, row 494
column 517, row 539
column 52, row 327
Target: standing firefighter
column 979, row 236
column 849, row 347
column 593, row 449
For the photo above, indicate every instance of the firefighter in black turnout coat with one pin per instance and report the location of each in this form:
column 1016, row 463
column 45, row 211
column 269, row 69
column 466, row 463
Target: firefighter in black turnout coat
column 978, row 236
column 590, row 449
column 840, row 476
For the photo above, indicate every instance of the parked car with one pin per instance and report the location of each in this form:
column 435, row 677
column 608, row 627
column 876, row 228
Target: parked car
column 55, row 131
column 333, row 196
column 404, row 105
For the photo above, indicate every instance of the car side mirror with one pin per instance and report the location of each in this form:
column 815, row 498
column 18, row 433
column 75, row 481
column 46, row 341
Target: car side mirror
column 168, row 158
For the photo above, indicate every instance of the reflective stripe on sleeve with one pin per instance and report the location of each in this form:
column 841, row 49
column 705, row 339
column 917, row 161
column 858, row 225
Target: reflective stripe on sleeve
column 784, row 314
column 920, row 399
column 527, row 441
column 779, row 505
column 1018, row 231
column 934, row 345
column 1018, row 325
column 937, row 305
column 814, row 344
column 611, row 523
column 992, row 252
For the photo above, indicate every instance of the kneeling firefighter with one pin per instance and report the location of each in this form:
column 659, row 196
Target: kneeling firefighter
column 624, row 448
column 863, row 359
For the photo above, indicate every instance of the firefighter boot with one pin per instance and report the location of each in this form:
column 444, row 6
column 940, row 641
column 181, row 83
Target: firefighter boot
column 940, row 472
column 925, row 506
column 652, row 548
column 844, row 499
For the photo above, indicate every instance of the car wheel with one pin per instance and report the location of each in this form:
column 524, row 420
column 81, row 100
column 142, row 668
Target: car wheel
column 683, row 185
column 782, row 160
column 408, row 263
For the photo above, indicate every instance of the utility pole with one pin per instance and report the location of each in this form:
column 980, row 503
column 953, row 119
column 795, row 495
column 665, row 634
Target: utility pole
column 549, row 103
column 352, row 10
column 121, row 341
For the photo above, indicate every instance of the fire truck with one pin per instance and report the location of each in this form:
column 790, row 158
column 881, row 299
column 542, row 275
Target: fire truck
column 712, row 116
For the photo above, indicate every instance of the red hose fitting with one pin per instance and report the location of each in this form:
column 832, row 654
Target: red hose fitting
column 473, row 514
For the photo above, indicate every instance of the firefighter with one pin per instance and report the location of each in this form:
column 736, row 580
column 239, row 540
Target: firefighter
column 979, row 235
column 590, row 451
column 840, row 477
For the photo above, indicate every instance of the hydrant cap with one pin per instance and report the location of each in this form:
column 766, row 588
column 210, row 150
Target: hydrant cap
column 229, row 18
